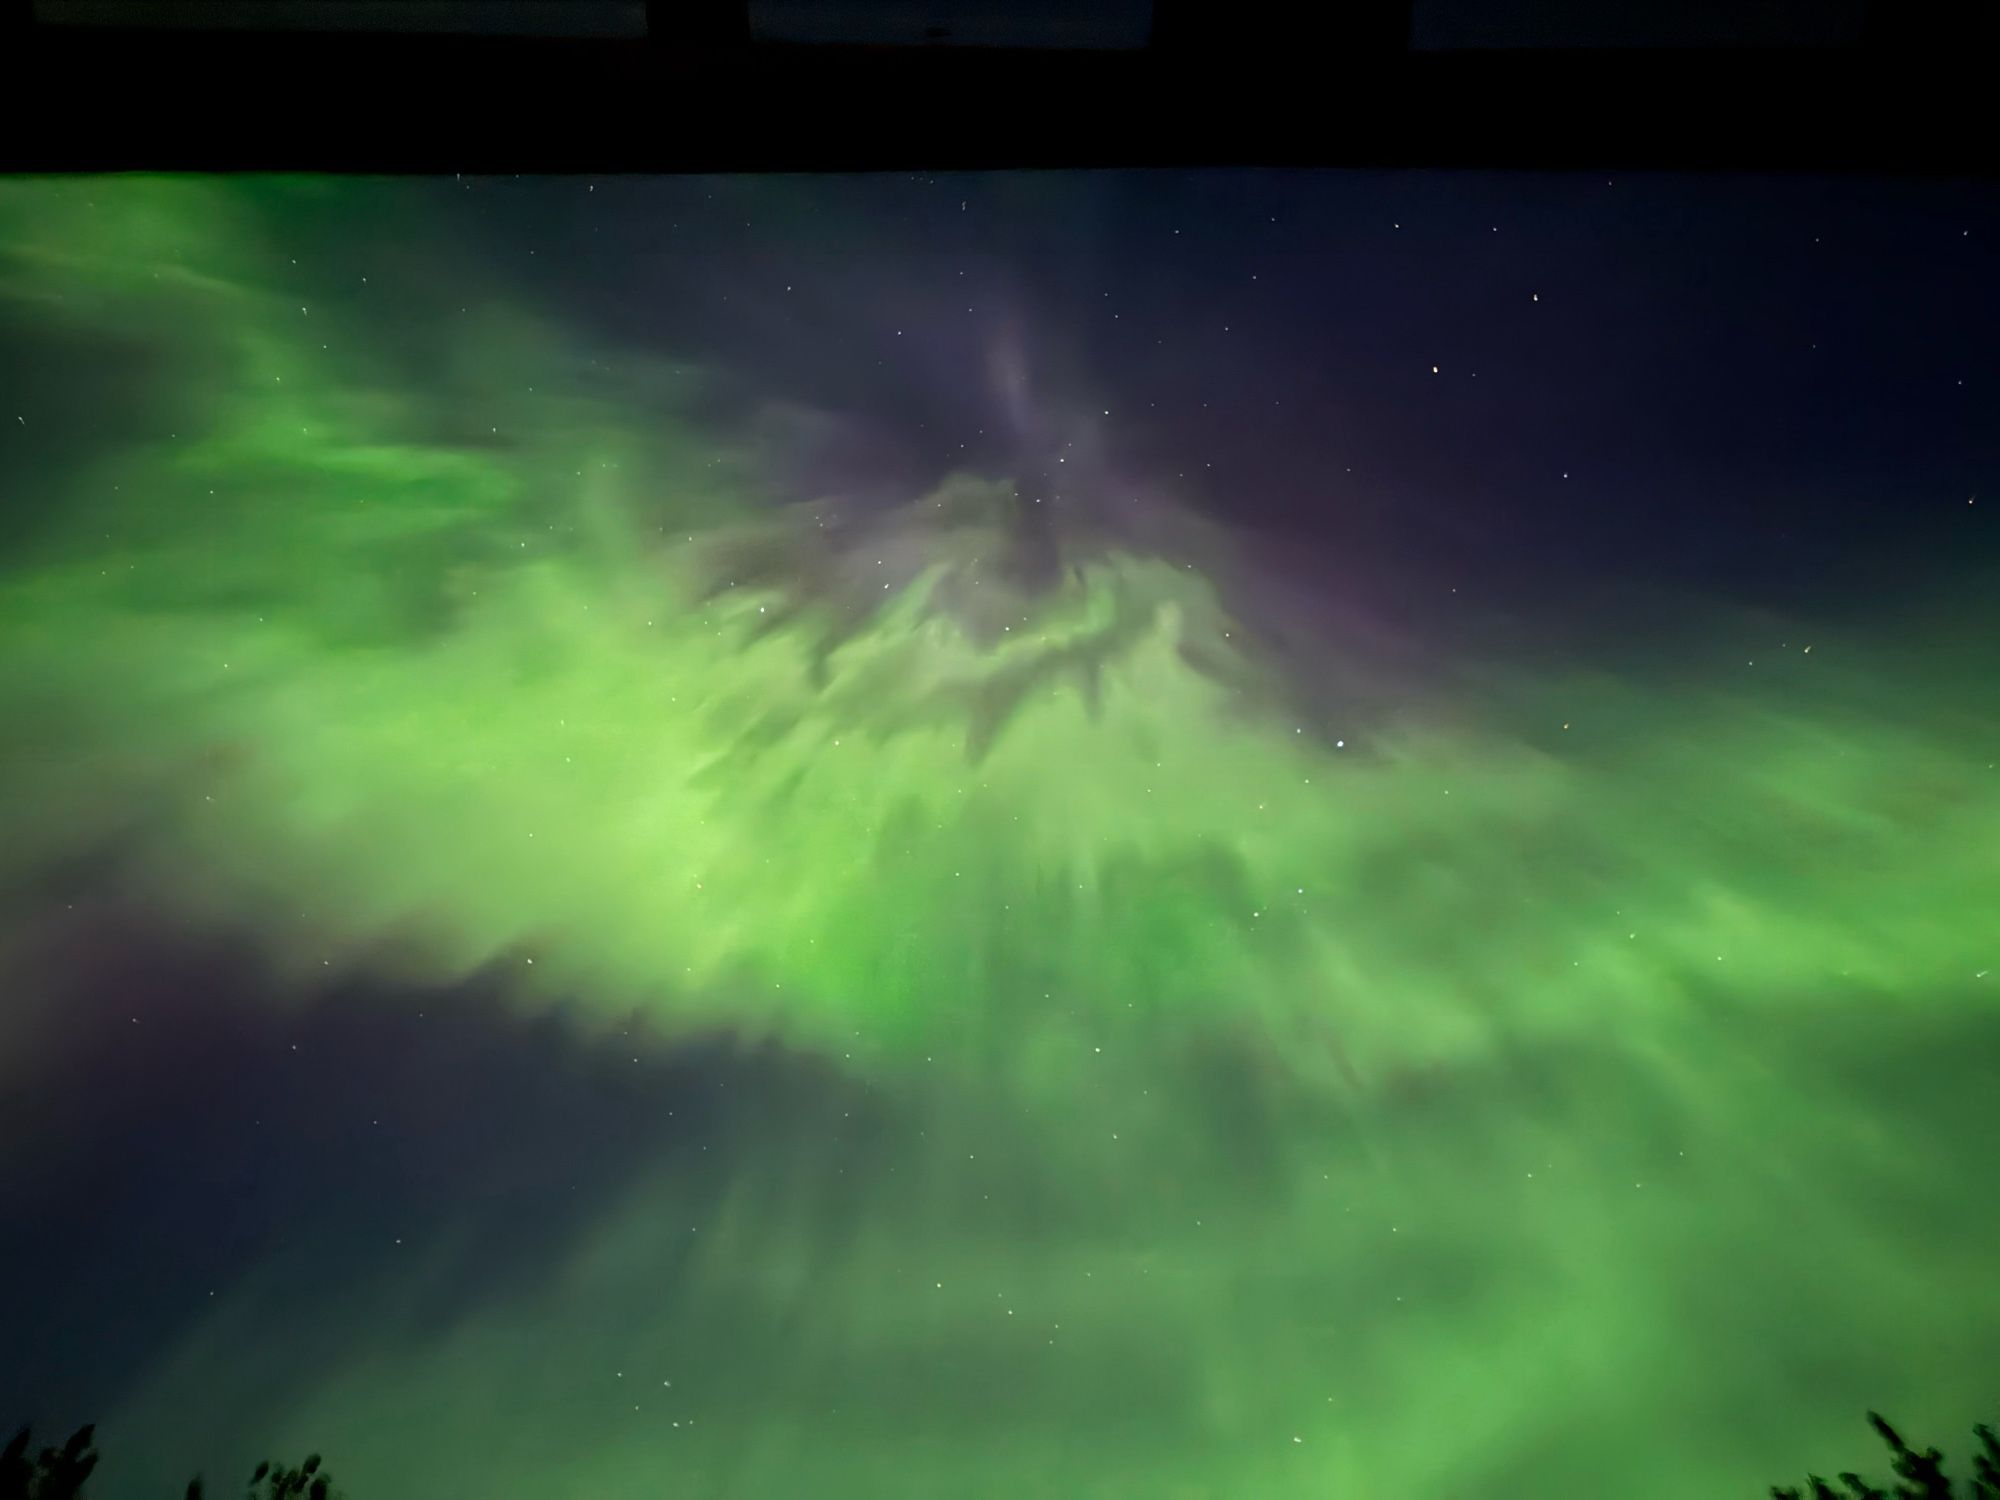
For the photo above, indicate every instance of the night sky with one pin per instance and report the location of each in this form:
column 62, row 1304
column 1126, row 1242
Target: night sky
column 1092, row 835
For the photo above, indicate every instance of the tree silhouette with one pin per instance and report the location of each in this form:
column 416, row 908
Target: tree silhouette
column 1922, row 1474
column 59, row 1473
column 52, row 1474
column 306, row 1482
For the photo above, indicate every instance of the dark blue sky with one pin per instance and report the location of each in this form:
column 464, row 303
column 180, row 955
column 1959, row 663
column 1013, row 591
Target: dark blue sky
column 1776, row 389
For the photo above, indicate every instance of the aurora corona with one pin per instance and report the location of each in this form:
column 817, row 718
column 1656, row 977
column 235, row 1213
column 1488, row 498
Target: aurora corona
column 1146, row 1044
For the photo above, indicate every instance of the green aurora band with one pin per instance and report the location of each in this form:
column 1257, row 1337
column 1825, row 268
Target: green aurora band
column 1566, row 1074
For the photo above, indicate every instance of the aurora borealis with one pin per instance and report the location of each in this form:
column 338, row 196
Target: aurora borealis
column 1094, row 835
